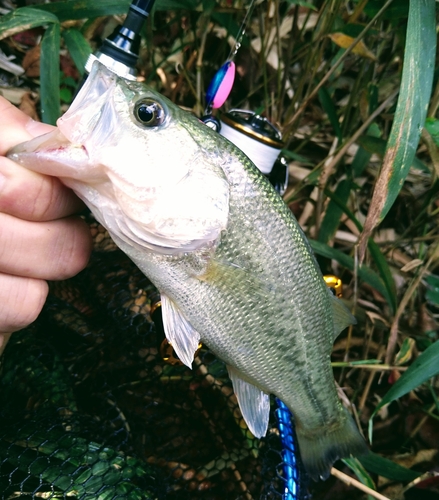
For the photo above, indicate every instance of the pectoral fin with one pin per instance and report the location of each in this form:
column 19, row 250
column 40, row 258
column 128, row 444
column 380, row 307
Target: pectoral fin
column 342, row 316
column 179, row 332
column 253, row 403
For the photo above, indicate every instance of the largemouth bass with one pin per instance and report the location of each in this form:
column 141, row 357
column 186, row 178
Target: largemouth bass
column 233, row 267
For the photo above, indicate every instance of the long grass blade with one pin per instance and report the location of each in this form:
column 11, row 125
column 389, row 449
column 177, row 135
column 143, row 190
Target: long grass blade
column 386, row 468
column 78, row 47
column 425, row 367
column 23, row 19
column 411, row 111
column 49, row 70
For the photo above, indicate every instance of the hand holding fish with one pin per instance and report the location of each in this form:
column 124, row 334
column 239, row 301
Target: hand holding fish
column 39, row 239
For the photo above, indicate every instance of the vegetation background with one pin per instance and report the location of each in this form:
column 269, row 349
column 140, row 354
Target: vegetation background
column 353, row 86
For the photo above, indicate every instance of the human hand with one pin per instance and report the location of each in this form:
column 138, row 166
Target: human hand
column 39, row 238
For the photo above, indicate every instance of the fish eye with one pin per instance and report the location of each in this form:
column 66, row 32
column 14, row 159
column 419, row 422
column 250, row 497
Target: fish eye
column 149, row 112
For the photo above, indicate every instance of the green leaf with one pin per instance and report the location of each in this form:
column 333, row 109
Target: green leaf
column 432, row 127
column 78, row 47
column 302, row 3
column 386, row 468
column 414, row 97
column 432, row 296
column 291, row 155
column 66, row 95
column 329, row 108
column 384, row 271
column 433, row 281
column 406, row 352
column 423, row 368
column 378, row 146
column 365, row 273
column 432, row 293
column 333, row 214
column 23, row 19
column 177, row 4
column 397, row 10
column 411, row 110
column 84, row 9
column 49, row 70
column 372, row 144
column 358, row 469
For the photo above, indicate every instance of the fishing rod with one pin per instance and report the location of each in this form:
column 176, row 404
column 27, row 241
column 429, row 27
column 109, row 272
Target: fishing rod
column 120, row 51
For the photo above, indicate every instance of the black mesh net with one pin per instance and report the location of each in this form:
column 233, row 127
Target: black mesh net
column 89, row 409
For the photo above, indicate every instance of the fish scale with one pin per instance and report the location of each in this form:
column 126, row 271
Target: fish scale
column 231, row 262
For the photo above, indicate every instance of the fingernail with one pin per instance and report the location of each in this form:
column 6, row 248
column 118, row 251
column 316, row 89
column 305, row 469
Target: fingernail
column 37, row 128
column 32, row 126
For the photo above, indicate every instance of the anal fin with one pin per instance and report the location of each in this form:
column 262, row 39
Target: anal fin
column 253, row 403
column 179, row 332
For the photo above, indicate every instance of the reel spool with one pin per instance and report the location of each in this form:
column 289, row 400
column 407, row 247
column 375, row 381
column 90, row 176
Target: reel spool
column 260, row 140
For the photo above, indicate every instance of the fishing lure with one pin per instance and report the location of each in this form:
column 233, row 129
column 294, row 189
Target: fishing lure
column 222, row 83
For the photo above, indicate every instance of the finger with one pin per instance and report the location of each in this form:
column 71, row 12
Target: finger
column 21, row 301
column 52, row 250
column 16, row 127
column 32, row 196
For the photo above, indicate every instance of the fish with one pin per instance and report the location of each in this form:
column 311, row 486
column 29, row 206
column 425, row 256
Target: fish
column 233, row 267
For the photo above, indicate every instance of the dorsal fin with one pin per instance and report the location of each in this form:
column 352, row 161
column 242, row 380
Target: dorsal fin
column 341, row 314
column 253, row 403
column 179, row 332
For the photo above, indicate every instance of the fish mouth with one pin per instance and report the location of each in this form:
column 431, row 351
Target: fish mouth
column 91, row 106
column 51, row 154
column 68, row 151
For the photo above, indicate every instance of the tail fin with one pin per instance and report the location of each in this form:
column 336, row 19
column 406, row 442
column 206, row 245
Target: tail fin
column 319, row 452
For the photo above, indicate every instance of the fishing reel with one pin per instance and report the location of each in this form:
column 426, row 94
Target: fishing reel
column 260, row 140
